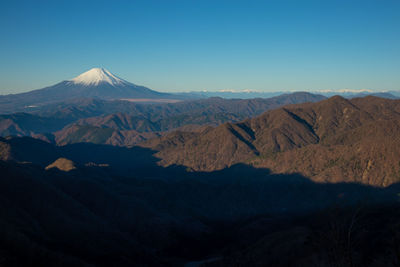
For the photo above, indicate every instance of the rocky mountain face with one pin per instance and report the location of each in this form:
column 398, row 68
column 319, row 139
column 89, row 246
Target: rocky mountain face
column 330, row 141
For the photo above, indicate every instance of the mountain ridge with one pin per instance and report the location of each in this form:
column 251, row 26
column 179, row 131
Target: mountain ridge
column 333, row 140
column 127, row 123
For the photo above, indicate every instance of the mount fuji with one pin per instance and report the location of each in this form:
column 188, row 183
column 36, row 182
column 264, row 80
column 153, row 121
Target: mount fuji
column 95, row 83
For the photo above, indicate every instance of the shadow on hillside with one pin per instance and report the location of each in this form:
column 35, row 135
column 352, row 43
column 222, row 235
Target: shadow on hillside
column 135, row 206
column 245, row 180
column 237, row 188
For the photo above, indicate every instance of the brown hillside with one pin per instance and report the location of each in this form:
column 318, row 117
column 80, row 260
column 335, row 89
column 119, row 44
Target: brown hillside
column 332, row 140
column 62, row 164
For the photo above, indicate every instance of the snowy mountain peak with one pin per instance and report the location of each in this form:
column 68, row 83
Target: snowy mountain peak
column 96, row 76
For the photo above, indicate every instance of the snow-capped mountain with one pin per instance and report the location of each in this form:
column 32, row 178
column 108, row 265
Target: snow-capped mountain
column 95, row 83
column 96, row 76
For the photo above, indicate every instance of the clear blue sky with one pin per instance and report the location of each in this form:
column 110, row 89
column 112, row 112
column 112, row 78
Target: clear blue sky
column 195, row 45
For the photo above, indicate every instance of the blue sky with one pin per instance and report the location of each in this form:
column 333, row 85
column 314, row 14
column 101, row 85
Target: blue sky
column 203, row 45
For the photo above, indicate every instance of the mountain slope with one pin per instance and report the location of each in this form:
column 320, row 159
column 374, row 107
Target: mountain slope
column 95, row 83
column 84, row 108
column 125, row 123
column 332, row 140
column 155, row 216
column 24, row 124
column 134, row 125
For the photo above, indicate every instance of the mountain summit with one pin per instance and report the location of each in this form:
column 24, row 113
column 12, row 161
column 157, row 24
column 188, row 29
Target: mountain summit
column 96, row 76
column 95, row 83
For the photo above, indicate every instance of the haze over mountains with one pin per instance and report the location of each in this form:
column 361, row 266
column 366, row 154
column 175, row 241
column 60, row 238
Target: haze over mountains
column 246, row 94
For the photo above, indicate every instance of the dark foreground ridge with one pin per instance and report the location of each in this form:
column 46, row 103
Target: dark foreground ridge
column 118, row 207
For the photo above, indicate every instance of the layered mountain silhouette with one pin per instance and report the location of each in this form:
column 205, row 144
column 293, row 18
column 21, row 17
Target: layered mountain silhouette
column 95, row 83
column 332, row 140
column 126, row 123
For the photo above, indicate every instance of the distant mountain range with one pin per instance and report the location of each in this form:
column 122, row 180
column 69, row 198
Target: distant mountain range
column 95, row 83
column 101, row 84
column 127, row 123
column 246, row 94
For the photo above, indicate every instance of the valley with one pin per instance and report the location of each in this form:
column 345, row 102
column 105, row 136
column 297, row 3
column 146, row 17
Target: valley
column 297, row 179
